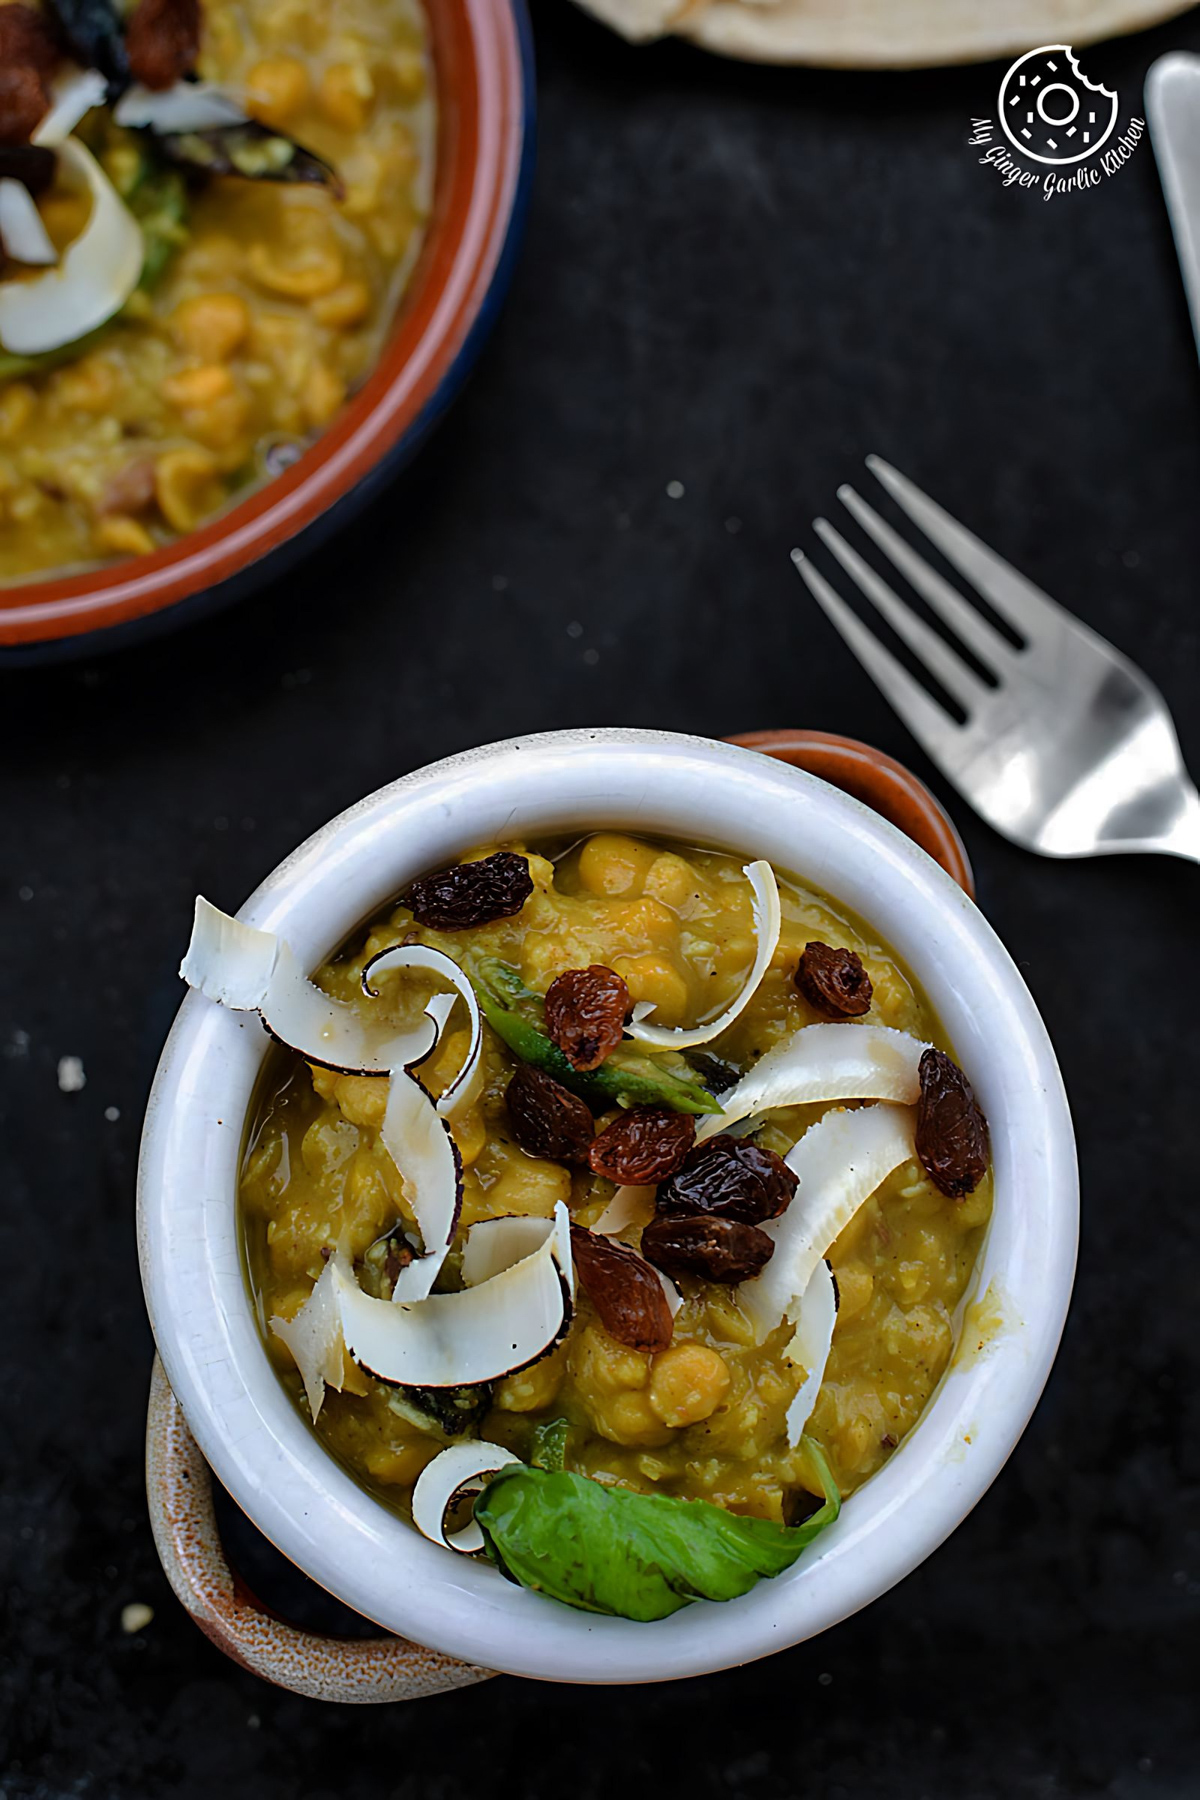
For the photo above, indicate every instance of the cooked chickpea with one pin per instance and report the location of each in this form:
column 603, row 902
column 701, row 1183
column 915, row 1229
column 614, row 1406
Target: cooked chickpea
column 324, row 392
column 687, row 1383
column 88, row 386
column 17, row 404
column 345, row 95
column 198, row 387
column 346, row 306
column 529, row 1390
column 277, row 87
column 187, row 487
column 529, row 1186
column 361, row 1098
column 655, row 979
column 119, row 535
column 303, row 272
column 398, row 1465
column 211, row 326
column 612, row 864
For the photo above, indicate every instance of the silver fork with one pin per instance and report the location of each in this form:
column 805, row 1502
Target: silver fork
column 1072, row 751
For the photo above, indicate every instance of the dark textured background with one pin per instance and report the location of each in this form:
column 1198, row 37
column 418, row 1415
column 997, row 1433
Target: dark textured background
column 742, row 280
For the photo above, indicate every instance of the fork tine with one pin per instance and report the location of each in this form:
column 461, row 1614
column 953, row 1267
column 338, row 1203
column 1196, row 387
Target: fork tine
column 1026, row 608
column 960, row 682
column 934, row 729
column 993, row 651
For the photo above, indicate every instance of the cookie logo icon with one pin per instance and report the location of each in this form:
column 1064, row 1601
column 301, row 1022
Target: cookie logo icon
column 1051, row 112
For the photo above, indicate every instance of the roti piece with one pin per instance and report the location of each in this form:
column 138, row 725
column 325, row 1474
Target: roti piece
column 884, row 34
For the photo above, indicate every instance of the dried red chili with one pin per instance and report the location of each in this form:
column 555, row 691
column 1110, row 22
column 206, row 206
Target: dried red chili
column 586, row 1011
column 730, row 1178
column 473, row 893
column 952, row 1133
column 29, row 55
column 644, row 1145
column 162, row 38
column 546, row 1119
column 625, row 1291
column 721, row 1250
column 834, row 982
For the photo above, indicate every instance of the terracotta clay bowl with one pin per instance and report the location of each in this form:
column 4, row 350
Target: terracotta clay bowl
column 483, row 59
column 179, row 1482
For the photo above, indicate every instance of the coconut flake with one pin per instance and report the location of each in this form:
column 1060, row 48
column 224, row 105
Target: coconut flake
column 188, row 106
column 821, row 1063
column 447, row 1340
column 480, row 1334
column 465, row 1087
column 768, row 922
column 494, row 1245
column 840, row 1161
column 22, row 233
column 628, row 1206
column 420, row 1145
column 255, row 971
column 314, row 1338
column 72, row 96
column 95, row 277
column 461, row 1469
column 673, row 1295
column 811, row 1345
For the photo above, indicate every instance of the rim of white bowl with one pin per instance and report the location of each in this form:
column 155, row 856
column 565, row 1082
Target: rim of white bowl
column 695, row 790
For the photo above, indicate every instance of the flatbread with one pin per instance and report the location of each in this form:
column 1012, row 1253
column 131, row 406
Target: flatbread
column 881, row 34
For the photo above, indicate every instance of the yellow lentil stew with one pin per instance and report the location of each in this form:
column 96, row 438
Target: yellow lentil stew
column 704, row 1417
column 259, row 303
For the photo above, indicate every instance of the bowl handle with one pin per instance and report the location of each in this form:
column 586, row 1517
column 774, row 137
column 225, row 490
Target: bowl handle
column 179, row 1487
column 879, row 781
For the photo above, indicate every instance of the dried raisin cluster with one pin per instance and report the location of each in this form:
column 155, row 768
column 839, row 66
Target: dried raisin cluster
column 952, row 1133
column 645, row 1145
column 626, row 1293
column 834, row 982
column 586, row 1010
column 29, row 56
column 162, row 38
column 474, row 893
column 547, row 1120
column 710, row 1210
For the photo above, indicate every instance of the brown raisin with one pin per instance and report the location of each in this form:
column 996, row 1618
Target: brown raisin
column 586, row 1011
column 723, row 1250
column 546, row 1119
column 730, row 1178
column 162, row 38
column 644, row 1145
column 625, row 1291
column 472, row 893
column 29, row 55
column 834, row 982
column 952, row 1133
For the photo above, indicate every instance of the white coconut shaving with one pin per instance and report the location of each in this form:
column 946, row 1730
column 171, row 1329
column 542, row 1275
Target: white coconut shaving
column 768, row 923
column 420, row 1145
column 255, row 971
column 464, row 1090
column 459, row 1470
column 95, row 275
column 22, row 233
column 446, row 1340
column 629, row 1206
column 823, row 1063
column 840, row 1161
column 187, row 106
column 809, row 1349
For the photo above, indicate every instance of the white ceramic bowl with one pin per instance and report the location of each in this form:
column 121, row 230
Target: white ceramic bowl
column 697, row 791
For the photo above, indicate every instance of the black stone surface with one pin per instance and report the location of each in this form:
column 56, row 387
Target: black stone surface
column 742, row 280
